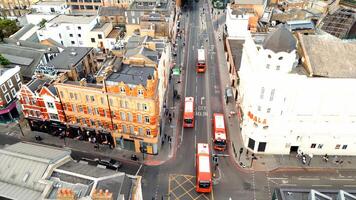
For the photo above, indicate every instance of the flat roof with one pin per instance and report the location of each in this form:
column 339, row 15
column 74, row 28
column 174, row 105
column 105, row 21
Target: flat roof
column 134, row 75
column 69, row 57
column 101, row 27
column 336, row 59
column 204, row 164
column 73, row 19
column 236, row 47
column 50, row 3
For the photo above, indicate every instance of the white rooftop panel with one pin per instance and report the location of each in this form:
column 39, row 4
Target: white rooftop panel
column 201, row 55
column 219, row 122
column 203, row 148
column 204, row 164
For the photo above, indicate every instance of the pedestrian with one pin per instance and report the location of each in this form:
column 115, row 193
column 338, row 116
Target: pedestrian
column 170, row 119
column 170, row 115
column 173, row 114
column 165, row 136
column 162, row 142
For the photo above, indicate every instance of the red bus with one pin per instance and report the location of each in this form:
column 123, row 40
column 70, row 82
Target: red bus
column 188, row 118
column 201, row 65
column 204, row 177
column 219, row 132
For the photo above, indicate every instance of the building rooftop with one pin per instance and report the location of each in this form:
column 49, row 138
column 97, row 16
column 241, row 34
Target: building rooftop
column 250, row 2
column 23, row 166
column 72, row 19
column 339, row 23
column 132, row 75
column 101, row 27
column 236, row 47
column 329, row 57
column 280, row 40
column 33, row 45
column 69, row 57
column 296, row 25
column 141, row 50
column 160, row 5
column 7, row 73
column 22, row 31
column 310, row 194
column 110, row 11
column 36, row 84
column 50, row 3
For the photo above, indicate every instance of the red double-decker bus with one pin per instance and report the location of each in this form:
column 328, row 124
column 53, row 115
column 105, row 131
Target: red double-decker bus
column 219, row 132
column 201, row 64
column 204, row 177
column 188, row 117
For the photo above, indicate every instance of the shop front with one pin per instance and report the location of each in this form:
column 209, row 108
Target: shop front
column 9, row 114
column 137, row 143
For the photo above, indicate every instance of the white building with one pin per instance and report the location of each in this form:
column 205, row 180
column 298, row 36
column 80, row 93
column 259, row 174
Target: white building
column 69, row 30
column 51, row 7
column 236, row 23
column 287, row 107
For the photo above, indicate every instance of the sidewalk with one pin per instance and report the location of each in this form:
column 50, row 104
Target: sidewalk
column 263, row 162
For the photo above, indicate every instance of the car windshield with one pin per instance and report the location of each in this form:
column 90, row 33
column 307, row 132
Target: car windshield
column 188, row 121
column 204, row 184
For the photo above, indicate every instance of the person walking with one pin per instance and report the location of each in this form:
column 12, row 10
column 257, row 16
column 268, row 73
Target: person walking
column 165, row 136
column 170, row 119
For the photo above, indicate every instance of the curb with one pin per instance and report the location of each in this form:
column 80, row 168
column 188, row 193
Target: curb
column 301, row 169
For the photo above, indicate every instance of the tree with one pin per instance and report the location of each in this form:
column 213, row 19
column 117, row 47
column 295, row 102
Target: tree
column 42, row 23
column 3, row 60
column 7, row 28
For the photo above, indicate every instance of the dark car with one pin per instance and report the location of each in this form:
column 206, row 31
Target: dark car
column 110, row 163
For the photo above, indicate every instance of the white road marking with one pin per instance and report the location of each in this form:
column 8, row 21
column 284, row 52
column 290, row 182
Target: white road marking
column 308, row 179
column 138, row 170
column 277, row 178
column 349, row 185
column 342, row 179
column 288, row 184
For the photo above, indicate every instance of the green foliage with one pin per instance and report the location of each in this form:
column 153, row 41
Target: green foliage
column 7, row 28
column 3, row 60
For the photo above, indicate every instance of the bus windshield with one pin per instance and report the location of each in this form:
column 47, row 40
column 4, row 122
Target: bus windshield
column 220, row 142
column 188, row 121
column 204, row 184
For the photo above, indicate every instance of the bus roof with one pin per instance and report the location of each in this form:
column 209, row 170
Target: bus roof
column 220, row 136
column 219, row 121
column 201, row 55
column 204, row 164
column 188, row 107
column 203, row 148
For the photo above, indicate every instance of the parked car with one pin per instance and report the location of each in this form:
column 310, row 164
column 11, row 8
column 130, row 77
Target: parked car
column 110, row 163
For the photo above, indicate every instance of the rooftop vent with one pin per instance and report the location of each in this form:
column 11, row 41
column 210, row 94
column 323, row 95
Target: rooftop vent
column 73, row 53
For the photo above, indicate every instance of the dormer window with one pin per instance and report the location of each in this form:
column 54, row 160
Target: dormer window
column 280, row 58
column 278, row 67
column 140, row 92
column 269, row 56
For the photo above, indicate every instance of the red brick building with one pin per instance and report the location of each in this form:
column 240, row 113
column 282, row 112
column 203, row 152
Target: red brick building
column 41, row 106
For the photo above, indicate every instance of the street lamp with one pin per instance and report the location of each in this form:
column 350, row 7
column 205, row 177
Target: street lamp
column 18, row 123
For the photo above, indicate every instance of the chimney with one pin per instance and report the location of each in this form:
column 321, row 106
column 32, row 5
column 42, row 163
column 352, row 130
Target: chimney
column 83, row 82
column 100, row 195
column 65, row 194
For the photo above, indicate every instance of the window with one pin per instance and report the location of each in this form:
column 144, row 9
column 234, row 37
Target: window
column 121, row 103
column 272, row 95
column 139, row 118
column 123, row 116
column 89, row 110
column 71, row 95
column 75, row 96
column 278, row 67
column 344, row 146
column 126, row 104
column 111, row 102
column 93, row 40
column 138, row 106
column 62, row 95
column 269, row 56
column 147, row 119
column 140, row 131
column 9, row 83
column 79, row 28
column 130, row 117
column 124, row 129
column 74, row 108
column 320, row 146
column 148, row 132
column 71, row 35
column 96, row 111
column 17, row 77
column 80, row 108
column 140, row 92
column 87, row 98
column 92, row 98
column 268, row 110
column 50, row 105
column 72, row 42
column 262, row 92
column 96, row 7
column 122, row 89
column 13, row 92
column 313, row 145
column 102, row 100
column 132, row 131
column 53, row 116
column 7, row 97
column 337, row 146
column 79, row 35
column 3, row 88
column 144, row 106
column 100, row 36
